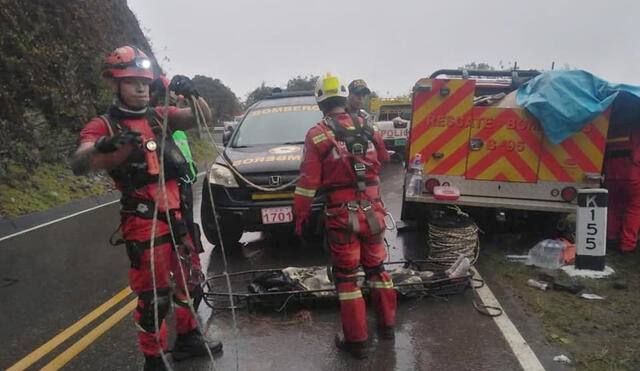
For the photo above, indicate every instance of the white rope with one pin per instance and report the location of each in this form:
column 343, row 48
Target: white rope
column 152, row 246
column 448, row 244
column 242, row 177
column 165, row 118
column 202, row 124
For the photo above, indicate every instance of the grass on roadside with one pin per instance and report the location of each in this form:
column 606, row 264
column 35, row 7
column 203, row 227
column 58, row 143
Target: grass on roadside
column 51, row 185
column 598, row 335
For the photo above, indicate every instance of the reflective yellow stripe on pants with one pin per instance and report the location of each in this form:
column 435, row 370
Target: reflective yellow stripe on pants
column 350, row 295
column 381, row 284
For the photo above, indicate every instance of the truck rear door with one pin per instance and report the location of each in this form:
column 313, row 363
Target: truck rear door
column 504, row 145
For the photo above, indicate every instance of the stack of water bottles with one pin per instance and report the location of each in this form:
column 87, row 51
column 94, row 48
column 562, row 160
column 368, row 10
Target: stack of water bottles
column 415, row 184
column 548, row 254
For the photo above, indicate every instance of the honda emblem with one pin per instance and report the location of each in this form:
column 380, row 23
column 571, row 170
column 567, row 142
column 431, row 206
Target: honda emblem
column 274, row 180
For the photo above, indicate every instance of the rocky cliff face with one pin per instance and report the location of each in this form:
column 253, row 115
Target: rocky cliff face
column 50, row 85
column 50, row 57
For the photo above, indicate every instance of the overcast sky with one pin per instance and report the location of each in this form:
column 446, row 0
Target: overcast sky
column 390, row 44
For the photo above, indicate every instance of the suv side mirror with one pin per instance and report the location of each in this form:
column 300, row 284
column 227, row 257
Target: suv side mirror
column 226, row 136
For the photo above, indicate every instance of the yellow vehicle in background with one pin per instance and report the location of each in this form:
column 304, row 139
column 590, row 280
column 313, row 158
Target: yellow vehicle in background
column 392, row 115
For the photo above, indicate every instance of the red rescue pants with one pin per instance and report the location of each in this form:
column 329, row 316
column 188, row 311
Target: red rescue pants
column 349, row 250
column 141, row 279
column 623, row 217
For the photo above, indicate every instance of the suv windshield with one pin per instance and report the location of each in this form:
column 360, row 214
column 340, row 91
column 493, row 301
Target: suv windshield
column 276, row 125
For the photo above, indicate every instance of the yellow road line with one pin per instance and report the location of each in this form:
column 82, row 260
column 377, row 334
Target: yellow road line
column 89, row 338
column 70, row 331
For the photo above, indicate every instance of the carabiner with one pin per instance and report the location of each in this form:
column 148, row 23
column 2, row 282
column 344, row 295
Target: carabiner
column 390, row 218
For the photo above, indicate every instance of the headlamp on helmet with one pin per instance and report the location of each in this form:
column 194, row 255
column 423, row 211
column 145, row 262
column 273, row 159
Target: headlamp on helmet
column 127, row 61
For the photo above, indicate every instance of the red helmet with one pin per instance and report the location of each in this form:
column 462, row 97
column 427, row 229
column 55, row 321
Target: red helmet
column 127, row 61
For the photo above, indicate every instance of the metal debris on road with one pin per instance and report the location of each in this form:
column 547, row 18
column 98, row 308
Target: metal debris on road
column 562, row 359
column 544, row 286
column 591, row 297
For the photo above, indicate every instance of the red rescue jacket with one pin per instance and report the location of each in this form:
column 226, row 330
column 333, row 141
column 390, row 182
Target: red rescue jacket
column 328, row 166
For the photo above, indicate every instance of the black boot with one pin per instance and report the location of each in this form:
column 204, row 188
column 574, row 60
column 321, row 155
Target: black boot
column 152, row 363
column 386, row 333
column 357, row 349
column 193, row 344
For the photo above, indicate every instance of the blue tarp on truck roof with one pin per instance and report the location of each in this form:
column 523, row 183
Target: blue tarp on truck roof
column 565, row 101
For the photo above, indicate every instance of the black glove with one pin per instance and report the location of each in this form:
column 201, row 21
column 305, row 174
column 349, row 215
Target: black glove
column 111, row 144
column 182, row 85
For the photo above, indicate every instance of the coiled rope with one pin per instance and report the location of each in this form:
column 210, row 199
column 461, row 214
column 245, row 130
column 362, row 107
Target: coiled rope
column 453, row 236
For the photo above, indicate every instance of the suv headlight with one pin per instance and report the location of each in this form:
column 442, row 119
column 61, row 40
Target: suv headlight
column 221, row 175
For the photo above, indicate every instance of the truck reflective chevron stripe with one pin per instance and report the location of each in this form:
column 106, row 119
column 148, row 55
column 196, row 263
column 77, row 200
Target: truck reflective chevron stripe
column 381, row 284
column 350, row 295
column 305, row 192
column 439, row 128
column 581, row 153
column 508, row 144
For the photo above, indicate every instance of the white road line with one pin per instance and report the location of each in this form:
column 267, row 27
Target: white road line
column 67, row 217
column 521, row 349
column 56, row 220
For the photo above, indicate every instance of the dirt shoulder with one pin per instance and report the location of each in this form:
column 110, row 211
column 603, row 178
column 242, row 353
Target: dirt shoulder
column 595, row 334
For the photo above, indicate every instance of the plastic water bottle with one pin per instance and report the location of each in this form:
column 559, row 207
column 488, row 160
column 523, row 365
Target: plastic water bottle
column 547, row 254
column 415, row 181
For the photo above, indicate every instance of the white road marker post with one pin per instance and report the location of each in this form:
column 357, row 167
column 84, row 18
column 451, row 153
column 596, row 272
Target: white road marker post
column 591, row 229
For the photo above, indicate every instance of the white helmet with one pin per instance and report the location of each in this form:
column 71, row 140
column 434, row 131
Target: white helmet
column 330, row 86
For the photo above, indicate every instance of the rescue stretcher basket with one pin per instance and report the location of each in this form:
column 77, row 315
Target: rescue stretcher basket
column 216, row 294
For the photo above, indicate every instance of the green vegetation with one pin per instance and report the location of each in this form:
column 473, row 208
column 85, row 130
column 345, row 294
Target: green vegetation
column 47, row 186
column 598, row 335
column 220, row 98
column 202, row 150
column 51, row 185
column 51, row 54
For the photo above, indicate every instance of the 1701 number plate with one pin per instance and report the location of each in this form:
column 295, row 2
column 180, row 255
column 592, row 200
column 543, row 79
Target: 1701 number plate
column 275, row 215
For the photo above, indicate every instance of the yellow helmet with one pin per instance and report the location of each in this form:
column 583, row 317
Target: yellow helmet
column 330, row 86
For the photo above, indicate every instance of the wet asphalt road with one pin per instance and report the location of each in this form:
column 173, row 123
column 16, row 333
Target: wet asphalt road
column 53, row 276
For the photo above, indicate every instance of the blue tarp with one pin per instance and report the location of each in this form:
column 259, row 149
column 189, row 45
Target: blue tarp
column 565, row 101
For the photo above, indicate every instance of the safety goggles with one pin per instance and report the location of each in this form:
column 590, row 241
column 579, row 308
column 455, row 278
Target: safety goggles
column 138, row 62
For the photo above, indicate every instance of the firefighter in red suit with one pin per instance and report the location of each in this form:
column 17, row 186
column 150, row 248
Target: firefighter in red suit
column 622, row 179
column 127, row 142
column 342, row 158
